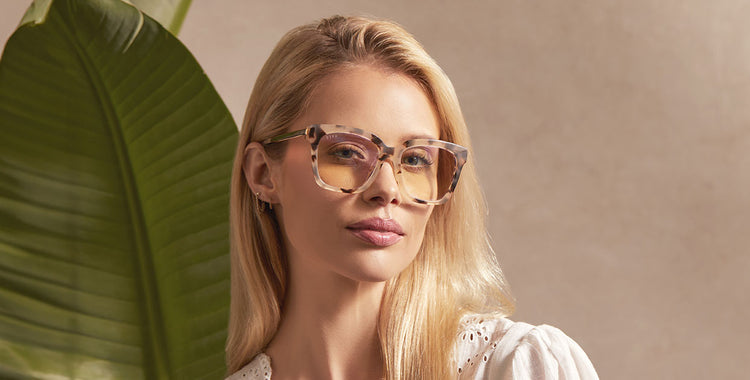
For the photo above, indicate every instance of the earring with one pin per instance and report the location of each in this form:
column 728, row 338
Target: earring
column 263, row 206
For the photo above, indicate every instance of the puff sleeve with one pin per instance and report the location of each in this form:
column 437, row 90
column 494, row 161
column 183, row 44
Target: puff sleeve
column 519, row 351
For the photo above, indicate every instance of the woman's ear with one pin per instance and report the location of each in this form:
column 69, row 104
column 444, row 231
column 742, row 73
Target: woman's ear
column 257, row 169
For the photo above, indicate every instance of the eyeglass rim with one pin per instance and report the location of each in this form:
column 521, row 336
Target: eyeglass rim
column 315, row 132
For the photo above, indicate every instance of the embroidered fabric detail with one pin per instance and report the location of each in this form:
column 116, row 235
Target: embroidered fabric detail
column 258, row 369
column 490, row 347
column 478, row 338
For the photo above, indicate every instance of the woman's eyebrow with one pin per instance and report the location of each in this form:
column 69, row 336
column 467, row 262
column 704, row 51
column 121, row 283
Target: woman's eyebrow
column 418, row 136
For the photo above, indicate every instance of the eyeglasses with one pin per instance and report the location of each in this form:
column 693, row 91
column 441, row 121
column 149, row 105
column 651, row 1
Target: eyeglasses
column 347, row 160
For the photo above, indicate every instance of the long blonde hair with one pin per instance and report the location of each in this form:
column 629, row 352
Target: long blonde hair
column 455, row 271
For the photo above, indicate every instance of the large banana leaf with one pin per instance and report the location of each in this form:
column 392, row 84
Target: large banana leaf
column 115, row 155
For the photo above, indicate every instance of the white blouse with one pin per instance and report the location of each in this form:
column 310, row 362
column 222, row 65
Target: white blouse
column 493, row 349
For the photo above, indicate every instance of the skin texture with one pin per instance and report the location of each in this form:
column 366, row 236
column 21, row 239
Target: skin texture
column 328, row 327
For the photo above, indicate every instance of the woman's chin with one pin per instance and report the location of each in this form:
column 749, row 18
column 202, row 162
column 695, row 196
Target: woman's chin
column 372, row 277
column 371, row 270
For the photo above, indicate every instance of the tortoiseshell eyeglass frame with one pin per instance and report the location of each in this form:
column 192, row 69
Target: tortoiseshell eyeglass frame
column 314, row 133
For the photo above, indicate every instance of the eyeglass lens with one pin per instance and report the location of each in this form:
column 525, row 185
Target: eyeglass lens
column 347, row 160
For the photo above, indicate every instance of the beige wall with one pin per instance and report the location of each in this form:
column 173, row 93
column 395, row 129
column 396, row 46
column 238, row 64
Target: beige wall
column 613, row 141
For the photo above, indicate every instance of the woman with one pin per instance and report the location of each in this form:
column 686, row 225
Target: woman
column 375, row 263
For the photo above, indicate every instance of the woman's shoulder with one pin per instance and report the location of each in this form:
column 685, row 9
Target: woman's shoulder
column 498, row 348
column 258, row 369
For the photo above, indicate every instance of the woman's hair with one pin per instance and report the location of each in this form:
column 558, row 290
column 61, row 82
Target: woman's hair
column 455, row 271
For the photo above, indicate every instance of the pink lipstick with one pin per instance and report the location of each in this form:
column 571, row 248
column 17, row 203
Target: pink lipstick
column 377, row 231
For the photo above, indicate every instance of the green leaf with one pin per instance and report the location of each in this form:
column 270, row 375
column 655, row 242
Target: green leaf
column 115, row 158
column 170, row 13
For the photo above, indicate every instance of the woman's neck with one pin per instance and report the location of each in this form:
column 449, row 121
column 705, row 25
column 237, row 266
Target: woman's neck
column 328, row 329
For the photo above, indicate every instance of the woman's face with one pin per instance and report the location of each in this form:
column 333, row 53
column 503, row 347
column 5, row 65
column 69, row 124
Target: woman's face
column 368, row 236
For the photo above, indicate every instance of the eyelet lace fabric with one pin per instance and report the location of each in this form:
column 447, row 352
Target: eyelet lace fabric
column 258, row 369
column 500, row 349
column 493, row 349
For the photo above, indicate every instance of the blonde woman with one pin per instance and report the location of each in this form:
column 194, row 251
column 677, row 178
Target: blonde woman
column 359, row 248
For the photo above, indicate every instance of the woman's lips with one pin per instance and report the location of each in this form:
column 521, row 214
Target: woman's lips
column 379, row 238
column 377, row 231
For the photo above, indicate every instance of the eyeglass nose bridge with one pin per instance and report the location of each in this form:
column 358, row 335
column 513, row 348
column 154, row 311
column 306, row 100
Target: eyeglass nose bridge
column 387, row 154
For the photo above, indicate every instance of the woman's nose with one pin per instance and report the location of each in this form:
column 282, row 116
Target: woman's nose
column 384, row 189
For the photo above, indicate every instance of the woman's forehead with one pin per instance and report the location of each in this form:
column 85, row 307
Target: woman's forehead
column 388, row 104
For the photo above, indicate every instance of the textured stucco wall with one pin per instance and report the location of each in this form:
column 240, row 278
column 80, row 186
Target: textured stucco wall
column 613, row 142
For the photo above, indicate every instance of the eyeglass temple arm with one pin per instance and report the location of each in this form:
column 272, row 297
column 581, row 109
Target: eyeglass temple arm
column 285, row 136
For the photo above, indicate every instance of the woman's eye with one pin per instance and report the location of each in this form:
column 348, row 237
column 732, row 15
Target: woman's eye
column 420, row 160
column 346, row 152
